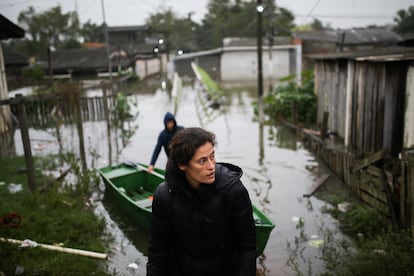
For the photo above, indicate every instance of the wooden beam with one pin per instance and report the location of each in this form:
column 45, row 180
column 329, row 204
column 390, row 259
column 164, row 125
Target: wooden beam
column 59, row 248
column 320, row 182
column 368, row 160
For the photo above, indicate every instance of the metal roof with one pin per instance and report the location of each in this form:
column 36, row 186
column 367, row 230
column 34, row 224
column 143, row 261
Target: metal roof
column 354, row 36
column 127, row 28
column 9, row 30
column 377, row 54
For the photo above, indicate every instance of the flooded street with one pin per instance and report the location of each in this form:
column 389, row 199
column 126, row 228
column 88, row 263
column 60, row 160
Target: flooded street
column 278, row 170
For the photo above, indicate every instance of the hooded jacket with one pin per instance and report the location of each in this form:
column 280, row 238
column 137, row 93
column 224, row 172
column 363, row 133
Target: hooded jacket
column 164, row 137
column 209, row 231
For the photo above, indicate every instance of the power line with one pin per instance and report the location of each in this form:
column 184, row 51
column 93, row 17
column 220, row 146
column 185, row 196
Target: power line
column 313, row 8
column 346, row 16
column 15, row 4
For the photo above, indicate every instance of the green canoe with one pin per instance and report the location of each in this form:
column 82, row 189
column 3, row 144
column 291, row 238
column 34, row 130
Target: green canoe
column 131, row 188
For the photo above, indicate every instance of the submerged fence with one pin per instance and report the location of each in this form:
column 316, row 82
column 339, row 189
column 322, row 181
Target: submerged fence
column 376, row 179
column 66, row 107
column 44, row 110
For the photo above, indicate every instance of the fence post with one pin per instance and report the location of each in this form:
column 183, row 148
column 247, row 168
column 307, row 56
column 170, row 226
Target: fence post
column 324, row 127
column 410, row 191
column 24, row 130
column 108, row 123
column 78, row 118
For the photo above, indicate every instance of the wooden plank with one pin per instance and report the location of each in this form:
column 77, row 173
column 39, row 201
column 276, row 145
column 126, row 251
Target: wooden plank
column 59, row 248
column 373, row 191
column 24, row 131
column 389, row 199
column 368, row 160
column 373, row 202
column 320, row 182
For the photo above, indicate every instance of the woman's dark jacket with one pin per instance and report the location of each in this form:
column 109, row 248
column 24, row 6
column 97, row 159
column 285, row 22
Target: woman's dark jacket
column 164, row 137
column 209, row 231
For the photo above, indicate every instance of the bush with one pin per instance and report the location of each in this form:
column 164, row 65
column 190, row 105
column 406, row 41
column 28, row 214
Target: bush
column 282, row 101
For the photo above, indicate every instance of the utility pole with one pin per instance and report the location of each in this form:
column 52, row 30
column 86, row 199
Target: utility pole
column 107, row 44
column 259, row 11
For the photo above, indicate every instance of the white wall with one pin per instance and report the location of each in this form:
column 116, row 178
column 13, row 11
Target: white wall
column 241, row 63
column 148, row 67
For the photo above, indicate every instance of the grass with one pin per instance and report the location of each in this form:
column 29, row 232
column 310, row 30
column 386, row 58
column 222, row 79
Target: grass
column 56, row 216
column 364, row 244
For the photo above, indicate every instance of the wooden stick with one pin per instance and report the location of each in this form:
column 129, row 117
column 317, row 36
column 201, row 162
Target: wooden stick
column 153, row 172
column 321, row 181
column 62, row 249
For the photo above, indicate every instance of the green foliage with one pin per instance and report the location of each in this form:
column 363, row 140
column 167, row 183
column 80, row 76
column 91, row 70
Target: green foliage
column 54, row 216
column 370, row 247
column 122, row 114
column 405, row 20
column 92, row 32
column 362, row 220
column 49, row 28
column 178, row 32
column 36, row 74
column 289, row 96
column 228, row 19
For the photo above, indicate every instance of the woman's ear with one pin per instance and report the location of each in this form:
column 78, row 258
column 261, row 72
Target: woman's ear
column 182, row 167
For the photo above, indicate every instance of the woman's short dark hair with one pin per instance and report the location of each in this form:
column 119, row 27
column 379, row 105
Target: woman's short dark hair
column 184, row 144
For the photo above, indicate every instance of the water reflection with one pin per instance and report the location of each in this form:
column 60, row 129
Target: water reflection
column 277, row 168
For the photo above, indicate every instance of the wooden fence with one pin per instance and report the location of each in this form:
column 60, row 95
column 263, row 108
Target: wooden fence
column 377, row 180
column 44, row 111
column 59, row 108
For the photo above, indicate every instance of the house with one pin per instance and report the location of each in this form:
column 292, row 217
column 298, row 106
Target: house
column 348, row 40
column 368, row 96
column 8, row 30
column 128, row 50
column 127, row 35
column 81, row 63
column 14, row 63
column 236, row 61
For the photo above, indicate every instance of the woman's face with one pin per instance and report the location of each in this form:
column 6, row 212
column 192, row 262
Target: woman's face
column 201, row 168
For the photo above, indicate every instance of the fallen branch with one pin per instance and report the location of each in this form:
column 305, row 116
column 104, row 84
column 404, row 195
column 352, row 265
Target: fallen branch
column 59, row 248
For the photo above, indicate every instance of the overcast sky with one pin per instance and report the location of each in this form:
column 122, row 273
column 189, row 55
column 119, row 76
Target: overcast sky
column 338, row 13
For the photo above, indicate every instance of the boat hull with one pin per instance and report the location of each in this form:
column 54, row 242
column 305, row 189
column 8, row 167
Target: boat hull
column 130, row 187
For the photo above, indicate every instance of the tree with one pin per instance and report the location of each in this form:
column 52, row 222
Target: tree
column 284, row 22
column 92, row 32
column 405, row 20
column 50, row 28
column 226, row 18
column 177, row 32
column 316, row 25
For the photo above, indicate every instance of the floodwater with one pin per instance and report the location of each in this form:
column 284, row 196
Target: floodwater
column 278, row 170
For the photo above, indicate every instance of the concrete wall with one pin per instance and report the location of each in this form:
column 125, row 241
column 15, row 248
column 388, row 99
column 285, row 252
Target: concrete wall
column 240, row 63
column 152, row 66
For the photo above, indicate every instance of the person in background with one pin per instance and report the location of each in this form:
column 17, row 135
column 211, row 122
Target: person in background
column 164, row 138
column 202, row 218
